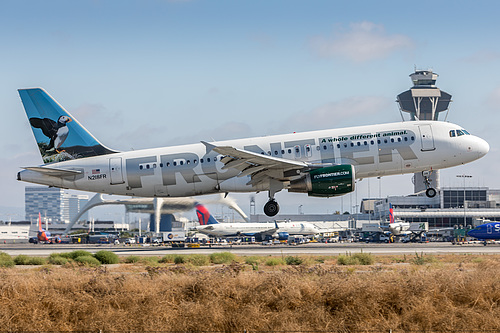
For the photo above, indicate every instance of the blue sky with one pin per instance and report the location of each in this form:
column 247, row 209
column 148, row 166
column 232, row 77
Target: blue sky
column 150, row 73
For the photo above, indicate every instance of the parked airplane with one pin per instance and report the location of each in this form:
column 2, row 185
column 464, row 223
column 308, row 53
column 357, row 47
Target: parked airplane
column 322, row 163
column 397, row 228
column 487, row 231
column 44, row 236
column 210, row 226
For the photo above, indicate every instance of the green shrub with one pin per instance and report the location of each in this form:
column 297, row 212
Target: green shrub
column 132, row 259
column 365, row 258
column 222, row 258
column 252, row 260
column 25, row 260
column 6, row 260
column 423, row 259
column 274, row 262
column 73, row 255
column 150, row 260
column 179, row 259
column 88, row 261
column 291, row 260
column 168, row 258
column 21, row 259
column 347, row 260
column 58, row 260
column 356, row 259
column 107, row 257
column 197, row 260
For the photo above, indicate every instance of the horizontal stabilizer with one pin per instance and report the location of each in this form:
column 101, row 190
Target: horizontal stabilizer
column 54, row 172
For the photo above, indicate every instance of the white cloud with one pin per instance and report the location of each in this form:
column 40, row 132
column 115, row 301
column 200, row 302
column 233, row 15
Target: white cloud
column 364, row 41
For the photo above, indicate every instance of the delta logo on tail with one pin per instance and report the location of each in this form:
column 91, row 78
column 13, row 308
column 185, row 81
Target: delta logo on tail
column 44, row 236
column 204, row 216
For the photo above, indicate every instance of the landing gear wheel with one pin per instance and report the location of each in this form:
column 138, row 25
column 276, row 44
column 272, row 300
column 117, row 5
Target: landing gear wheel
column 271, row 208
column 430, row 192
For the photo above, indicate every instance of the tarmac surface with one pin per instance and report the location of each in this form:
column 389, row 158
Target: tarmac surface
column 260, row 250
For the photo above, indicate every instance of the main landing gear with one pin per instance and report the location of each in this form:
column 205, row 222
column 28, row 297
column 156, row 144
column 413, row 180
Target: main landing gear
column 271, row 208
column 429, row 192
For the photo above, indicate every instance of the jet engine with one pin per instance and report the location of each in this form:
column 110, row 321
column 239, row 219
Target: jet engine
column 326, row 182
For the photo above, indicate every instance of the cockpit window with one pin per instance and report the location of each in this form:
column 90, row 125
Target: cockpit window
column 458, row 132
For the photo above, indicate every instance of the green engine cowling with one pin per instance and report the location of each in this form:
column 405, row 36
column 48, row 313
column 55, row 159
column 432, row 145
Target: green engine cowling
column 326, row 182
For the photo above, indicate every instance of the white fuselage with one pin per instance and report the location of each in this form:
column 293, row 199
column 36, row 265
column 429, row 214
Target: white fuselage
column 251, row 228
column 376, row 150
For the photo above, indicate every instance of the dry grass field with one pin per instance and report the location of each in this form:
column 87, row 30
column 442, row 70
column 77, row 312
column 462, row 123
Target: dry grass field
column 258, row 294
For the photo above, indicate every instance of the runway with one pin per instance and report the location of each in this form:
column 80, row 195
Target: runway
column 259, row 250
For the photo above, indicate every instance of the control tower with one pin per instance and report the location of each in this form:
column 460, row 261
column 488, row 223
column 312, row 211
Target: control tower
column 424, row 101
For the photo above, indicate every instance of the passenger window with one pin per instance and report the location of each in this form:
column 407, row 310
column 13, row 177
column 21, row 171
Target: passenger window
column 378, row 141
column 399, row 139
column 324, row 147
column 452, row 133
column 275, row 152
column 161, row 165
column 406, row 139
column 147, row 166
column 366, row 143
column 352, row 144
column 359, row 143
column 175, row 163
column 201, row 160
column 215, row 158
column 168, row 164
column 289, row 151
column 372, row 142
column 154, row 165
column 208, row 160
column 140, row 167
column 412, row 138
column 187, row 162
column 385, row 140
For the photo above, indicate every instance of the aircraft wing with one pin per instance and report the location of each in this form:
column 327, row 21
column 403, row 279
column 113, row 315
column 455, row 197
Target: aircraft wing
column 54, row 171
column 260, row 167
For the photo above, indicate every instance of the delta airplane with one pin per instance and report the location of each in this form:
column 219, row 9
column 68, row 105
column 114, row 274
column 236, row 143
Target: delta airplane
column 397, row 228
column 322, row 163
column 210, row 226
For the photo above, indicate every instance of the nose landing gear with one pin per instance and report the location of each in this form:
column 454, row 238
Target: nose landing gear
column 430, row 192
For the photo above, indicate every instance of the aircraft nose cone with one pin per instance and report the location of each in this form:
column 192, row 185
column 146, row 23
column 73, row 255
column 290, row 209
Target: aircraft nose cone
column 483, row 147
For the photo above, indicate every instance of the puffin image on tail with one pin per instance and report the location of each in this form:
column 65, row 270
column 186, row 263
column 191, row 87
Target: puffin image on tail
column 57, row 132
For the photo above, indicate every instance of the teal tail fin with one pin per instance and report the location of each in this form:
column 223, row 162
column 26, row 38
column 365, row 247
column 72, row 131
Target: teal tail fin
column 59, row 135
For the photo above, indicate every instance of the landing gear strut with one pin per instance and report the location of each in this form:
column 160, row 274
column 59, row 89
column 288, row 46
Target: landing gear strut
column 430, row 192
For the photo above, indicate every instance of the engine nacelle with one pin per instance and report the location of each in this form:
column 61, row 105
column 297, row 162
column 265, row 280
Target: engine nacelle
column 326, row 182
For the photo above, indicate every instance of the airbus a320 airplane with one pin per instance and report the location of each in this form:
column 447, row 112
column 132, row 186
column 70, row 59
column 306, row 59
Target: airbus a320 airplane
column 322, row 163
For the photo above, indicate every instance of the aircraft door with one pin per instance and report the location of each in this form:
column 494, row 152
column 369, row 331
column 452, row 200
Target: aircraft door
column 489, row 229
column 115, row 170
column 426, row 138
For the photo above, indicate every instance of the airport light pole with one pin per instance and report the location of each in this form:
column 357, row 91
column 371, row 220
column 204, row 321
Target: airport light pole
column 464, row 176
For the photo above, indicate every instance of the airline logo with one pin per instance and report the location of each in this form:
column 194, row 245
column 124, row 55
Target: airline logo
column 203, row 214
column 391, row 214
